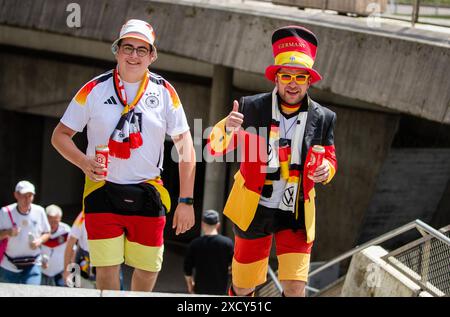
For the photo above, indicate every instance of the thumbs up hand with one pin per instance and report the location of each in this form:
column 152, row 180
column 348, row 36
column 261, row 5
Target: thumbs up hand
column 235, row 118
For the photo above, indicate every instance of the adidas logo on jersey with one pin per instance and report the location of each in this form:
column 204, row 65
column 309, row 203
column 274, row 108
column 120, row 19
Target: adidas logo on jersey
column 110, row 101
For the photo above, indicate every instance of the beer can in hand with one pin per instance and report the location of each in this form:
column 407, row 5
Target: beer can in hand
column 45, row 259
column 30, row 237
column 316, row 158
column 101, row 156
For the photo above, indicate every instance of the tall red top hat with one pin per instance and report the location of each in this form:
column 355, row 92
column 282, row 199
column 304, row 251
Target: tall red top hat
column 294, row 47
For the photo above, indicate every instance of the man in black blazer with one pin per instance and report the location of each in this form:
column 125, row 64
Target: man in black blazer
column 273, row 195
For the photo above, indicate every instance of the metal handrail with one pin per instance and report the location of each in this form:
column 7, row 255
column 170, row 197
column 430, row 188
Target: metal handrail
column 435, row 233
column 275, row 279
column 418, row 224
column 277, row 283
column 420, row 271
column 415, row 13
column 413, row 224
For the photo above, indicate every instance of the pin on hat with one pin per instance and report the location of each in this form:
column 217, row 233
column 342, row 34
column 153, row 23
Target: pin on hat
column 136, row 29
column 24, row 187
column 294, row 47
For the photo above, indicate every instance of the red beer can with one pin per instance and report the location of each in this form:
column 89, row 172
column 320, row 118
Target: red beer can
column 101, row 155
column 316, row 159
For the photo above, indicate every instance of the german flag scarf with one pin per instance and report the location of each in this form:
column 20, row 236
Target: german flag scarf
column 284, row 161
column 127, row 134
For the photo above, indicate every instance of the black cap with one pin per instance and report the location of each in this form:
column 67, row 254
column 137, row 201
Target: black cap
column 210, row 217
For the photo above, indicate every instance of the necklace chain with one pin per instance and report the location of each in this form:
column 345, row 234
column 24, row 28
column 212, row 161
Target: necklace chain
column 284, row 126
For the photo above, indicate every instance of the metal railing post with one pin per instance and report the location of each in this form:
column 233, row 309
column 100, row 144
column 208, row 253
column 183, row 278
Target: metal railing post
column 275, row 279
column 393, row 6
column 425, row 262
column 415, row 13
column 324, row 5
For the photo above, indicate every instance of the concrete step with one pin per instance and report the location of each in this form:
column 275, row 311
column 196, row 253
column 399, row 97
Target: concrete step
column 20, row 290
column 332, row 290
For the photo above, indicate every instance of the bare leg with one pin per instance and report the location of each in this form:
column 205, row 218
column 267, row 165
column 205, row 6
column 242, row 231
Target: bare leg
column 143, row 281
column 242, row 291
column 293, row 288
column 107, row 277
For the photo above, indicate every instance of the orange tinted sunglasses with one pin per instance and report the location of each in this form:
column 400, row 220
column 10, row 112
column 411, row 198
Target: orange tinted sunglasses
column 287, row 78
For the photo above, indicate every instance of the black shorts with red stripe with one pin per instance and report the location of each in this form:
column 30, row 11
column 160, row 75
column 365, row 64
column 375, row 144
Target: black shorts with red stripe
column 127, row 200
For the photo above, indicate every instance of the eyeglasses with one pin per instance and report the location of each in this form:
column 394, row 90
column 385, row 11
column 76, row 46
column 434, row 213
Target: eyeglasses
column 300, row 79
column 140, row 51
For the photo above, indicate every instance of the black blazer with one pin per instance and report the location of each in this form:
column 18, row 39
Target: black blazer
column 319, row 130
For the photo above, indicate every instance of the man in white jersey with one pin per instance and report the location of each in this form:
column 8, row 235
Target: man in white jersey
column 53, row 249
column 131, row 110
column 26, row 227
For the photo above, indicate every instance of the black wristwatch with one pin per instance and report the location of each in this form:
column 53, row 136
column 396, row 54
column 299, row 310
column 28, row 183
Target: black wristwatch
column 186, row 200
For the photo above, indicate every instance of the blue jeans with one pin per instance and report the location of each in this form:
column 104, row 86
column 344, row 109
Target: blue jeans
column 56, row 280
column 31, row 275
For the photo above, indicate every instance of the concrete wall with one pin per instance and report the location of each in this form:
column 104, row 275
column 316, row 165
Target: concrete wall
column 45, row 85
column 48, row 84
column 302, row 4
column 378, row 66
column 362, row 140
column 61, row 182
column 20, row 144
column 343, row 6
column 355, row 6
column 411, row 184
column 442, row 216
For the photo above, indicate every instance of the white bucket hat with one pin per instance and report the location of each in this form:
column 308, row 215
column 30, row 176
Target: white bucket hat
column 137, row 29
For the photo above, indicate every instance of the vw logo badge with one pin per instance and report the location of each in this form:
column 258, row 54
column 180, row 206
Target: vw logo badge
column 270, row 152
column 288, row 197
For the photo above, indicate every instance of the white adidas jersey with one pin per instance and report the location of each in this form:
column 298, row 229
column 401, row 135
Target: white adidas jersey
column 159, row 111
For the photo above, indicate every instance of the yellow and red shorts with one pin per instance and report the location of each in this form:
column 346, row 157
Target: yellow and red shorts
column 125, row 223
column 252, row 249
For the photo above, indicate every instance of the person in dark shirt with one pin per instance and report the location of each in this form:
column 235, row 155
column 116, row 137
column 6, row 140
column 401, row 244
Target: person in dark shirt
column 208, row 259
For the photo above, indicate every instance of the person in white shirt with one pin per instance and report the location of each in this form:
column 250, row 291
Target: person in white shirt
column 131, row 110
column 77, row 252
column 26, row 227
column 53, row 249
